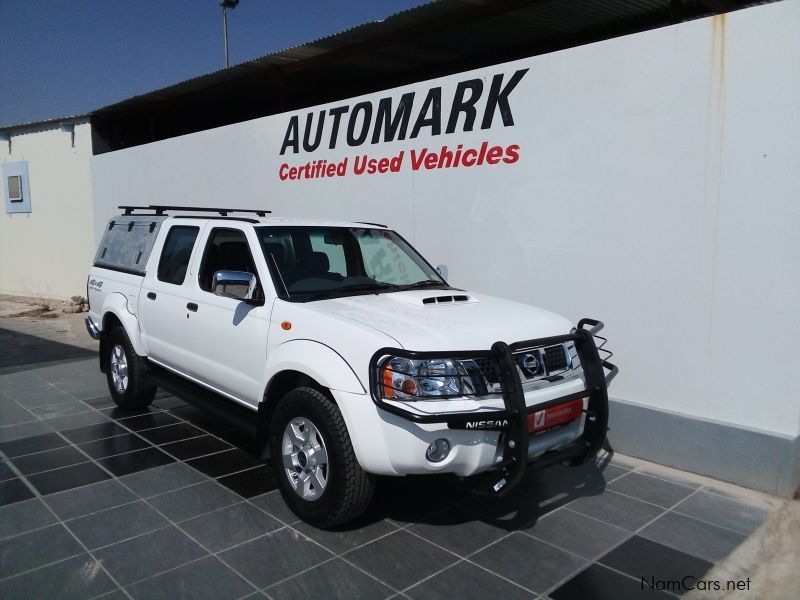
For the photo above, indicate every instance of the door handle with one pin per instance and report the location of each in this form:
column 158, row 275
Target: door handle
column 151, row 295
column 192, row 306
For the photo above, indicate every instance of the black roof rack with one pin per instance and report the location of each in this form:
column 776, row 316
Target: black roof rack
column 160, row 209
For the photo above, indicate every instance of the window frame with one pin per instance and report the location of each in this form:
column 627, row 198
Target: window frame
column 189, row 259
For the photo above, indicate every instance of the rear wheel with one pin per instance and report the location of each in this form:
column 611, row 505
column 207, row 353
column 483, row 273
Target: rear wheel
column 313, row 460
column 127, row 373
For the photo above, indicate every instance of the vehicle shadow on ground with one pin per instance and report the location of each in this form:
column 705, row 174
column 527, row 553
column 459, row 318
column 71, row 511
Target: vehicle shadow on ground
column 444, row 501
column 20, row 349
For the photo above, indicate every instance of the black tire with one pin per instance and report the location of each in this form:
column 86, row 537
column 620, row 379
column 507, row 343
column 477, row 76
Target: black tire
column 138, row 391
column 349, row 489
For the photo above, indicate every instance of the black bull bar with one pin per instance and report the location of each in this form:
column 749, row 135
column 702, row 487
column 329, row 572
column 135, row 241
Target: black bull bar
column 512, row 420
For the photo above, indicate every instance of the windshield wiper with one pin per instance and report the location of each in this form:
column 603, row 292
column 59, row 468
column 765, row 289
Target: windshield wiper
column 426, row 283
column 376, row 286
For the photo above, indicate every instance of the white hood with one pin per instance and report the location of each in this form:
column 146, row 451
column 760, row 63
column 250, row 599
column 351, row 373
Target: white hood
column 474, row 324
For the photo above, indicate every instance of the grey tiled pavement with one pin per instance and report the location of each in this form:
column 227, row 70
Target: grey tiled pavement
column 168, row 503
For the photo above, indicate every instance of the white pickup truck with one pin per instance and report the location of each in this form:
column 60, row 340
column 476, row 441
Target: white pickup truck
column 343, row 351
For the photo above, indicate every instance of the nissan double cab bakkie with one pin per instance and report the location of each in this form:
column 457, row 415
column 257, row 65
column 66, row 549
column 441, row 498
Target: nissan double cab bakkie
column 342, row 351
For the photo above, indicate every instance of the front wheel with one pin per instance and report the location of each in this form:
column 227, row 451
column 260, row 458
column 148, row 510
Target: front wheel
column 126, row 373
column 313, row 460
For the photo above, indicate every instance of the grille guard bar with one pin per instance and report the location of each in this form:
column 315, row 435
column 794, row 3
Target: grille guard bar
column 512, row 419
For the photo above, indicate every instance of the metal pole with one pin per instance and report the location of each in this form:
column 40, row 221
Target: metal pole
column 225, row 25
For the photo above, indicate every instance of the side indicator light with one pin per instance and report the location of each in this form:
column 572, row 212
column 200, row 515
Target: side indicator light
column 286, row 325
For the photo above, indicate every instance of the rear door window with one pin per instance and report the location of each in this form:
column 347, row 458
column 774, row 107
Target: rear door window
column 176, row 254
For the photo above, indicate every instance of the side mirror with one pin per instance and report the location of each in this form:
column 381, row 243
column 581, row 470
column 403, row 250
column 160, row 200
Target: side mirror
column 234, row 284
column 442, row 270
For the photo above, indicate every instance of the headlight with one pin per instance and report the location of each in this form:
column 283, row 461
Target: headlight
column 434, row 378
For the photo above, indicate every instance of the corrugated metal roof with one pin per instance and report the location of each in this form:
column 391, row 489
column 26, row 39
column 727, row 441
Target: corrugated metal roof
column 434, row 39
column 52, row 121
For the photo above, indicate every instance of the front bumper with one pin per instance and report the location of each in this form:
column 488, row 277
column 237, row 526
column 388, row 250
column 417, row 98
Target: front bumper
column 92, row 328
column 508, row 427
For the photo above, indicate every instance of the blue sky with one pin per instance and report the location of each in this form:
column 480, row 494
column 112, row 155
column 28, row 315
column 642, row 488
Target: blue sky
column 63, row 57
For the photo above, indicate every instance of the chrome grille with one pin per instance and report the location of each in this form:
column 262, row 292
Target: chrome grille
column 544, row 363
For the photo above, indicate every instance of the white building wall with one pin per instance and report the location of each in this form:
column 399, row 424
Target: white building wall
column 656, row 190
column 47, row 252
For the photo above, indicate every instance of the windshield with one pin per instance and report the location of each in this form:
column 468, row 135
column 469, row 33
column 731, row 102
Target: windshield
column 313, row 263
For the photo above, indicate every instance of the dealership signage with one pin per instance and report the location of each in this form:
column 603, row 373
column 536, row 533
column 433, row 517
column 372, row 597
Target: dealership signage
column 408, row 115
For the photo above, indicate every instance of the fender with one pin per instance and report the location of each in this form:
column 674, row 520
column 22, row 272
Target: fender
column 316, row 360
column 117, row 304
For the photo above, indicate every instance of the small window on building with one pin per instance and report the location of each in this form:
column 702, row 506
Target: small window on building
column 176, row 254
column 15, row 188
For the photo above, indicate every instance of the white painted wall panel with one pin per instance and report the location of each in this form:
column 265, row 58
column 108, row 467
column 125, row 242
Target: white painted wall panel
column 46, row 252
column 656, row 189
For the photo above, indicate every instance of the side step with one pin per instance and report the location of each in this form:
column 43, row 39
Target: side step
column 237, row 416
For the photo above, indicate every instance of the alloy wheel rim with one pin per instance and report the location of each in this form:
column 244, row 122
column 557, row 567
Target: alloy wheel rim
column 119, row 369
column 305, row 458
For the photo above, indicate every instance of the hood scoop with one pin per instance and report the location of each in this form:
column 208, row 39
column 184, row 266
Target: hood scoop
column 447, row 299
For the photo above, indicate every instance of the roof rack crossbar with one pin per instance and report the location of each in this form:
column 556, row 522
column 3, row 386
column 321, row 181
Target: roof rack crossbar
column 161, row 209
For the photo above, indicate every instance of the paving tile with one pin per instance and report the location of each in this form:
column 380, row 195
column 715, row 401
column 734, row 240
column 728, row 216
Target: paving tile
column 132, row 462
column 694, row 537
column 515, row 511
column 252, row 482
column 79, row 420
column 274, row 556
column 401, row 559
column 650, row 489
column 67, row 407
column 12, row 413
column 644, row 559
column 599, row 583
column 88, row 499
column 333, row 579
column 76, row 577
column 577, row 533
column 86, row 390
column 205, row 579
column 189, row 502
column 162, row 479
column 14, row 490
column 36, row 548
column 169, row 403
column 114, row 445
column 189, row 413
column 24, row 516
column 195, row 447
column 39, row 395
column 67, row 478
column 465, row 580
column 147, row 421
column 101, row 402
column 48, row 460
column 458, row 530
column 90, row 433
column 724, row 512
column 274, row 504
column 349, row 536
column 528, row 562
column 116, row 524
column 20, row 381
column 5, row 471
column 224, row 463
column 669, row 475
column 230, row 526
column 616, row 509
column 25, row 430
column 155, row 553
column 171, row 433
column 29, row 445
